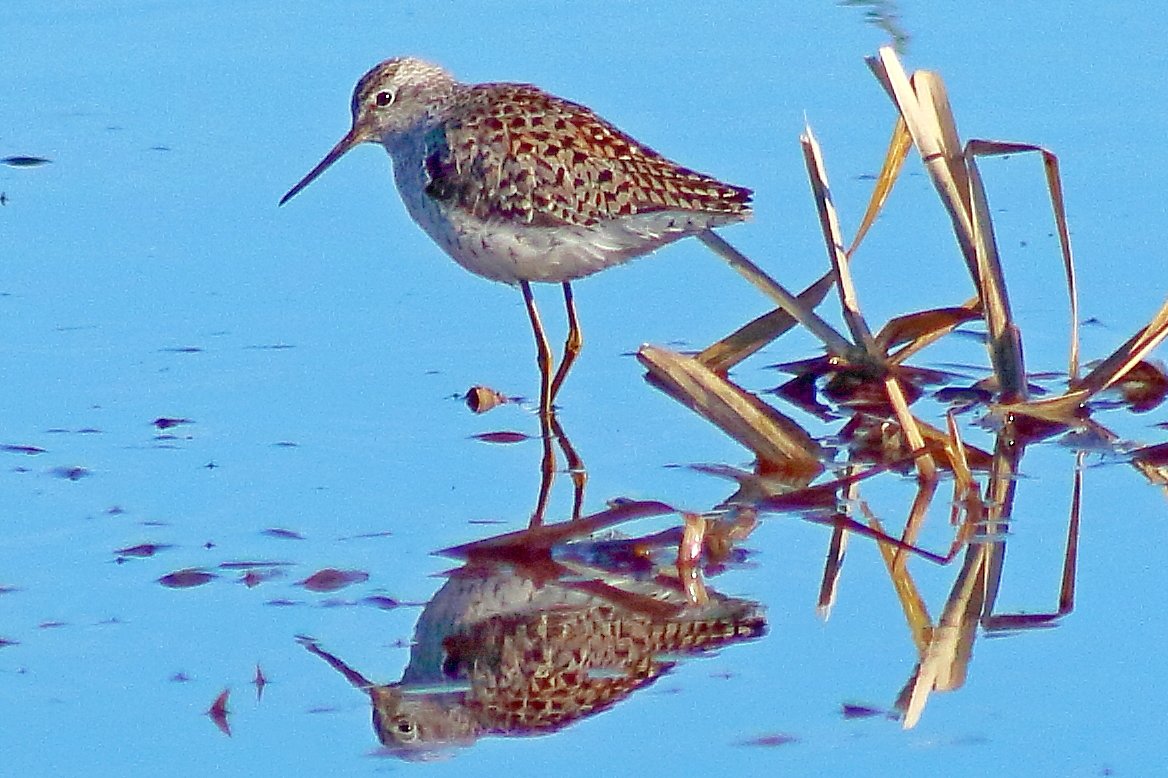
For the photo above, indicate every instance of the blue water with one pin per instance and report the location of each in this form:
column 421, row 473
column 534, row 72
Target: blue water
column 316, row 353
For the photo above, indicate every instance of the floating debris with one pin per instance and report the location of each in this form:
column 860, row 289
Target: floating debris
column 504, row 437
column 382, row 602
column 253, row 578
column 166, row 422
column 260, row 682
column 283, row 534
column 219, row 712
column 270, row 347
column 481, row 399
column 18, row 449
column 330, row 579
column 368, row 535
column 70, row 473
column 142, row 550
column 25, row 161
column 777, row 739
column 854, row 711
column 186, row 579
column 250, row 563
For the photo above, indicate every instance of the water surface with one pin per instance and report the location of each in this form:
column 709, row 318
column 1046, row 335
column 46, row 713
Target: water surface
column 311, row 359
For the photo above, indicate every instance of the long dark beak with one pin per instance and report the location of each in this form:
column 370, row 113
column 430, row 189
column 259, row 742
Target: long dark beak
column 350, row 140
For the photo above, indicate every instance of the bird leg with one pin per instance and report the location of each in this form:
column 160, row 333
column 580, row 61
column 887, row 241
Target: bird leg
column 543, row 356
column 572, row 345
column 548, row 386
column 575, row 466
column 547, row 474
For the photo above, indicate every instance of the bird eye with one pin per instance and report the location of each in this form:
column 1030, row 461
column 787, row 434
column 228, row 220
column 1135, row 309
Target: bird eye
column 383, row 99
column 405, row 729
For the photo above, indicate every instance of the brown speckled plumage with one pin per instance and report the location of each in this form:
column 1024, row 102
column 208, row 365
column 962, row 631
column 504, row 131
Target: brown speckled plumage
column 517, row 152
column 540, row 671
column 496, row 654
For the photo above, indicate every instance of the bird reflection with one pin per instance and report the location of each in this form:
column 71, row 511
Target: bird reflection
column 530, row 636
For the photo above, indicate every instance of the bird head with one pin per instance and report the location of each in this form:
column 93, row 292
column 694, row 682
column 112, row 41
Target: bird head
column 421, row 725
column 395, row 97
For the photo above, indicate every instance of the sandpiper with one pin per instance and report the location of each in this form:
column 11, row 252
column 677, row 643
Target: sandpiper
column 520, row 186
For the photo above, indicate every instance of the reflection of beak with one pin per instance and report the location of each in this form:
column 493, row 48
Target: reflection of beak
column 350, row 140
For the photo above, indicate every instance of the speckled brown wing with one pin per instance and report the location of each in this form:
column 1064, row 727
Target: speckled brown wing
column 534, row 672
column 512, row 151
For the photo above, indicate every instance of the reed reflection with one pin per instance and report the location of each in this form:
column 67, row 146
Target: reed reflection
column 869, row 446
